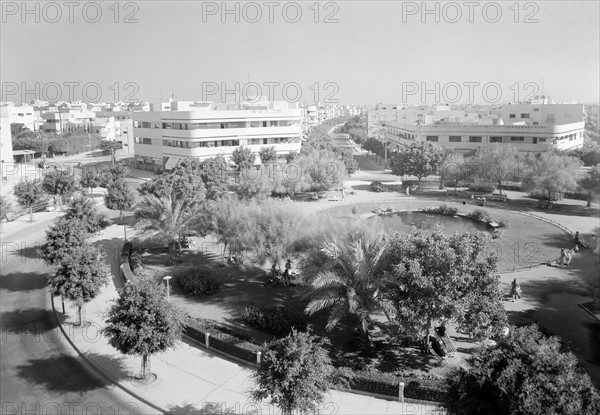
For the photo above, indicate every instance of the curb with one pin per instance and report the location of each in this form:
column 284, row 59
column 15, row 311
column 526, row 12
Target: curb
column 99, row 369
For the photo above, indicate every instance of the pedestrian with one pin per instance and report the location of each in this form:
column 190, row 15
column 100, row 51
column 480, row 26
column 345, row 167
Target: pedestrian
column 561, row 261
column 568, row 257
column 286, row 273
column 515, row 290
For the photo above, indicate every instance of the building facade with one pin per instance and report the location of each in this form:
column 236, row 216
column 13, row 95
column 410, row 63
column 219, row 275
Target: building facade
column 529, row 127
column 203, row 130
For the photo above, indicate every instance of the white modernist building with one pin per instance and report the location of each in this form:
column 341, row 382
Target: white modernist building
column 529, row 127
column 203, row 130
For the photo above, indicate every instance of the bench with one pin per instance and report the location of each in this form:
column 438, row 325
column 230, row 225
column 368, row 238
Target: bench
column 450, row 349
column 500, row 197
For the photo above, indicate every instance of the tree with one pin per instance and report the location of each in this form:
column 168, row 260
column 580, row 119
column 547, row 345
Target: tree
column 214, row 175
column 295, row 372
column 352, row 286
column 243, row 158
column 291, row 156
column 5, row 208
column 167, row 219
column 79, row 277
column 437, row 278
column 420, row 160
column 140, row 322
column 232, row 223
column 90, row 178
column 347, row 158
column 28, row 193
column 553, row 176
column 111, row 147
column 324, row 170
column 118, row 197
column 525, row 373
column 84, row 211
column 112, row 173
column 276, row 229
column 59, row 183
column 498, row 163
column 63, row 240
column 591, row 183
column 253, row 184
column 184, row 179
column 267, row 154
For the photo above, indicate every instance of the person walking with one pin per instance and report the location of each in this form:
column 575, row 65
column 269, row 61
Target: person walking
column 286, row 273
column 515, row 290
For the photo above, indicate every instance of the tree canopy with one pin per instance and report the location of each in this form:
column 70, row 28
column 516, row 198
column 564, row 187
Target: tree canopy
column 553, row 176
column 295, row 373
column 525, row 373
column 420, row 160
column 140, row 322
column 437, row 278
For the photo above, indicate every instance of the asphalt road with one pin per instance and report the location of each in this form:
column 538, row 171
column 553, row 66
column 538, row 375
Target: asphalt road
column 40, row 372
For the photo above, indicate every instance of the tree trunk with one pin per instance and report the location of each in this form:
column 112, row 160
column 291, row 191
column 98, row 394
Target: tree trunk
column 589, row 200
column 30, row 214
column 79, row 319
column 121, row 214
column 145, row 366
column 427, row 331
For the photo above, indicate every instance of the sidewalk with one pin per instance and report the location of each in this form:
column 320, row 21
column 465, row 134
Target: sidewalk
column 193, row 381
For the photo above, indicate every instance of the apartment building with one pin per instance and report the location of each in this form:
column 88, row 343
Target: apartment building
column 203, row 130
column 6, row 149
column 529, row 127
column 115, row 126
column 65, row 120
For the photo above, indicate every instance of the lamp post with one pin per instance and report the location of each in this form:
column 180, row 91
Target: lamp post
column 167, row 278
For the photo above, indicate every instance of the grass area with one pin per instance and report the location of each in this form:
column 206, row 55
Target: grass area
column 526, row 241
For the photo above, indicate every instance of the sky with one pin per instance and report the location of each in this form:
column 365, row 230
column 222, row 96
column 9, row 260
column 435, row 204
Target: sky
column 343, row 52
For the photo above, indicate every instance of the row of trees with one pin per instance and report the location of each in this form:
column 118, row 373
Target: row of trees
column 547, row 176
column 45, row 144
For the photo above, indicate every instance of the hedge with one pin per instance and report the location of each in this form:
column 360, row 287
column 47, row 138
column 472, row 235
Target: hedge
column 432, row 390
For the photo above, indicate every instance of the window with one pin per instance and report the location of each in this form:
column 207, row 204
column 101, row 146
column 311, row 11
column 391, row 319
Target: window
column 535, row 123
column 167, row 125
column 455, row 138
column 433, row 138
column 524, row 115
column 512, row 116
column 254, row 141
column 542, row 139
column 517, row 139
column 495, row 139
column 474, row 139
column 536, row 110
column 141, row 140
column 254, row 123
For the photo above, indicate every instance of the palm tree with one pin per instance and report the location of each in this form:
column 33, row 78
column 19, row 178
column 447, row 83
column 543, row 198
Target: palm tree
column 353, row 286
column 165, row 217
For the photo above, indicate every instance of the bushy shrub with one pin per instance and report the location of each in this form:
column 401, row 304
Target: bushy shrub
column 482, row 186
column 481, row 215
column 442, row 210
column 277, row 320
column 503, row 224
column 355, row 210
column 382, row 209
column 377, row 186
column 198, row 283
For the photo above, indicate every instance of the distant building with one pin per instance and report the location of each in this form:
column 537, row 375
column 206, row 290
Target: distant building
column 6, row 149
column 115, row 126
column 22, row 115
column 203, row 130
column 66, row 119
column 530, row 127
